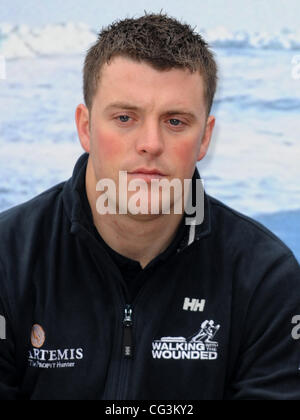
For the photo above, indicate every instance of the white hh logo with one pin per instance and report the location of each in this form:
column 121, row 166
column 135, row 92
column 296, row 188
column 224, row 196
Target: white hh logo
column 194, row 305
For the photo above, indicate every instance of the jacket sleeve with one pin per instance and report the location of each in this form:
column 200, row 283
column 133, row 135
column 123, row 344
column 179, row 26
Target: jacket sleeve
column 8, row 374
column 269, row 360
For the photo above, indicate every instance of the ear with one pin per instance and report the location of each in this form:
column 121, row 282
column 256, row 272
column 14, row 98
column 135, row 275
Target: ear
column 206, row 137
column 82, row 124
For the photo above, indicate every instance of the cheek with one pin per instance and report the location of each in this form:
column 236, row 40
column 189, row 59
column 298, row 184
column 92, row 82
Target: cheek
column 108, row 145
column 185, row 153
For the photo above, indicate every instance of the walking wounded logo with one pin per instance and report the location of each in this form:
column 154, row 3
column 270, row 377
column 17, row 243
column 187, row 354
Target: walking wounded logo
column 200, row 346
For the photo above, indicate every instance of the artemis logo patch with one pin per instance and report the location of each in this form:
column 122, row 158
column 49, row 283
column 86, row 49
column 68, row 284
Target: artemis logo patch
column 50, row 359
column 38, row 336
column 198, row 347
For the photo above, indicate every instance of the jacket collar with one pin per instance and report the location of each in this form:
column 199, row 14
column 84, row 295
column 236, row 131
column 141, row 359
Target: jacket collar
column 73, row 204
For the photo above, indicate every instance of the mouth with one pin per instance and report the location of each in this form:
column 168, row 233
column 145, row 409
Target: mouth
column 146, row 176
column 147, row 171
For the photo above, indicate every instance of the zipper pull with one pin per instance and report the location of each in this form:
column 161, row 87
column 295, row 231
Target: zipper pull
column 128, row 340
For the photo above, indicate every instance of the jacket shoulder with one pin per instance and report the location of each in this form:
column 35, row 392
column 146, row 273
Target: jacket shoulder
column 245, row 233
column 22, row 217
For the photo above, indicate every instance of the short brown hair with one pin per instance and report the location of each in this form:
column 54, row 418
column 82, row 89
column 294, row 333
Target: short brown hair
column 157, row 39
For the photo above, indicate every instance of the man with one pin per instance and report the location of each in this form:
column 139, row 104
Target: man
column 101, row 305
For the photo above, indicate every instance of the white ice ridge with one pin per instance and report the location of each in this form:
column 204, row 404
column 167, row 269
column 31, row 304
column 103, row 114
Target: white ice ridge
column 18, row 41
column 64, row 38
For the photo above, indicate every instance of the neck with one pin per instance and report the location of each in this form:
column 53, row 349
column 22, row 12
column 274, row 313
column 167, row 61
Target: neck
column 140, row 238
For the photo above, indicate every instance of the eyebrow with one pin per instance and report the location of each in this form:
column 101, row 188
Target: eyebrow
column 123, row 105
column 131, row 107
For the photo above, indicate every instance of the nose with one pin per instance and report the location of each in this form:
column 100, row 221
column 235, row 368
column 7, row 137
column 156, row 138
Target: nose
column 150, row 139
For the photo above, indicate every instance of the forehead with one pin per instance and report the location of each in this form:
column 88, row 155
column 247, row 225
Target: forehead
column 138, row 82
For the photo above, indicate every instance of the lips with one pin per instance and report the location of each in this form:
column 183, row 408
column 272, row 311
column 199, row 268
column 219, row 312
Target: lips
column 146, row 177
column 147, row 174
column 143, row 171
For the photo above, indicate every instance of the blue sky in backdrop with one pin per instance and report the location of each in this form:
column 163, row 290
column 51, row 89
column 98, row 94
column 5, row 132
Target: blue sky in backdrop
column 253, row 15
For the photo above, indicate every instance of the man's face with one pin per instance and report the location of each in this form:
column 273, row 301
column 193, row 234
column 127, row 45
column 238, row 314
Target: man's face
column 145, row 118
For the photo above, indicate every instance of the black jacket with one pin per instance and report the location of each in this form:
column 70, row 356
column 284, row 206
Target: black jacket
column 212, row 320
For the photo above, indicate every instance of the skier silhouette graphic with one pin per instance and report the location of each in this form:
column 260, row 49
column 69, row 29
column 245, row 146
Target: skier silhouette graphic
column 206, row 333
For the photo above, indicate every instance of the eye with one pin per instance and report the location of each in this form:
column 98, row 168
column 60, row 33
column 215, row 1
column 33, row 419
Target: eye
column 175, row 122
column 123, row 118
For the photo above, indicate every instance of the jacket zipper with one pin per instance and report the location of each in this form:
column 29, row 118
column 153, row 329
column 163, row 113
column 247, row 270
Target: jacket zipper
column 127, row 351
column 127, row 333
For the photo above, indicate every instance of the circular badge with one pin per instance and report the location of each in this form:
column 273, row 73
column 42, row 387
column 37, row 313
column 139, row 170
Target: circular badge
column 38, row 336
